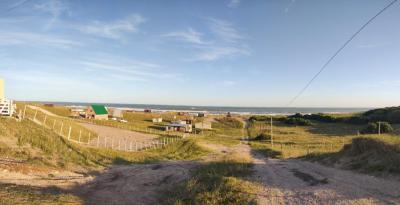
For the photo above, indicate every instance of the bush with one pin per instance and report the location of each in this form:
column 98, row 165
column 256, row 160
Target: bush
column 231, row 122
column 262, row 136
column 298, row 121
column 389, row 114
column 373, row 128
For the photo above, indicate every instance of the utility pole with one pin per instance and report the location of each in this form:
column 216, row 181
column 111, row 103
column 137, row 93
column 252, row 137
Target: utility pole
column 272, row 137
column 379, row 128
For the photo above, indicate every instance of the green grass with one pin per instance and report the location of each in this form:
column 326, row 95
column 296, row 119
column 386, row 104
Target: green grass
column 19, row 194
column 216, row 183
column 37, row 145
column 369, row 154
column 297, row 141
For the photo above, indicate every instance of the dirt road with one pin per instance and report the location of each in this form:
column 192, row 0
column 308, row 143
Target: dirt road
column 299, row 182
column 117, row 134
column 135, row 184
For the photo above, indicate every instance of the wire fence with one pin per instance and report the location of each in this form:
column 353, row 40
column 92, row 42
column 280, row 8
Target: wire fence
column 71, row 130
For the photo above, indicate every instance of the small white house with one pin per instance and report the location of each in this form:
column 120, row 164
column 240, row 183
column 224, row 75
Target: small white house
column 157, row 120
column 7, row 107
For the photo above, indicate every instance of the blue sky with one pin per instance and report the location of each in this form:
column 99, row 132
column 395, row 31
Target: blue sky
column 208, row 52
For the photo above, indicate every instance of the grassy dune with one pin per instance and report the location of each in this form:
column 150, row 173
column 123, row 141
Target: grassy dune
column 216, row 183
column 37, row 145
column 369, row 154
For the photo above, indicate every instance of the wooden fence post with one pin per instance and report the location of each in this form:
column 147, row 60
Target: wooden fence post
column 34, row 117
column 69, row 132
column 44, row 121
column 61, row 128
column 98, row 140
column 23, row 116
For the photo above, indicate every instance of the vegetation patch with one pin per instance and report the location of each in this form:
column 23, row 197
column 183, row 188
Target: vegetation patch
column 19, row 194
column 377, row 127
column 216, row 183
column 298, row 121
column 366, row 154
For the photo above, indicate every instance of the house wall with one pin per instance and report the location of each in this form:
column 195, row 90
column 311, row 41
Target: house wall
column 101, row 117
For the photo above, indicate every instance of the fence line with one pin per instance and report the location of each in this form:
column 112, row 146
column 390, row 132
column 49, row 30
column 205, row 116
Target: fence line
column 67, row 132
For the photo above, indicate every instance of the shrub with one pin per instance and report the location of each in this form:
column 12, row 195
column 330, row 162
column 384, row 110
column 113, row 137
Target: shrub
column 389, row 114
column 373, row 128
column 298, row 121
column 231, row 122
column 262, row 136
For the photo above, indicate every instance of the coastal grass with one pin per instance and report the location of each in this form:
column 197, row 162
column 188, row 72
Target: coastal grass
column 213, row 183
column 20, row 194
column 37, row 145
column 372, row 154
column 296, row 141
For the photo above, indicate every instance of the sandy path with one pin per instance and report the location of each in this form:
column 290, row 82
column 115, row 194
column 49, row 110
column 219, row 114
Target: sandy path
column 300, row 182
column 117, row 134
column 43, row 110
column 135, row 184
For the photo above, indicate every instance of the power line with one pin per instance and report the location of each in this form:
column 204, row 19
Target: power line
column 339, row 50
column 14, row 7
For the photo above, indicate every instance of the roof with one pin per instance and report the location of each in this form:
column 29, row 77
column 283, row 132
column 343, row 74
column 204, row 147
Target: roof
column 176, row 125
column 99, row 109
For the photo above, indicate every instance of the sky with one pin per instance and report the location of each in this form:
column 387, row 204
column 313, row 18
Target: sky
column 255, row 53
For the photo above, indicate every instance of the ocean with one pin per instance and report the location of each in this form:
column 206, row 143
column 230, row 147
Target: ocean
column 222, row 109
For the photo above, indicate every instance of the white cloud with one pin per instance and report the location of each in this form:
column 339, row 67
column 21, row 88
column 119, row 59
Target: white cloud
column 217, row 52
column 35, row 39
column 113, row 30
column 233, row 3
column 125, row 69
column 287, row 9
column 224, row 41
column 54, row 7
column 225, row 30
column 188, row 35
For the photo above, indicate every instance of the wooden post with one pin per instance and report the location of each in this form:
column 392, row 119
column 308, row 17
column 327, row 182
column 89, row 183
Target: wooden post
column 272, row 137
column 80, row 135
column 379, row 128
column 34, row 117
column 44, row 121
column 98, row 140
column 61, row 128
column 69, row 132
column 89, row 138
column 23, row 116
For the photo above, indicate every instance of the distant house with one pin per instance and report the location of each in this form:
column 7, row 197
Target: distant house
column 116, row 113
column 7, row 107
column 180, row 126
column 157, row 119
column 97, row 112
column 77, row 112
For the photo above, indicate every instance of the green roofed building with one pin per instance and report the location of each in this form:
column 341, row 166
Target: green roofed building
column 97, row 112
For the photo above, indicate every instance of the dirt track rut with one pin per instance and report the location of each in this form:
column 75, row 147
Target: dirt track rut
column 299, row 182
